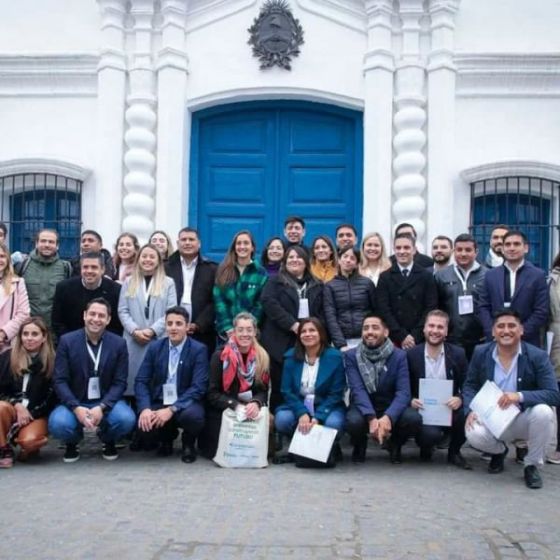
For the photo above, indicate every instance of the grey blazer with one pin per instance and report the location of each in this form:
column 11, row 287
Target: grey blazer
column 132, row 316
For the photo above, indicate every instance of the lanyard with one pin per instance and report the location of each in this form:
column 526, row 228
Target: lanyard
column 461, row 279
column 95, row 359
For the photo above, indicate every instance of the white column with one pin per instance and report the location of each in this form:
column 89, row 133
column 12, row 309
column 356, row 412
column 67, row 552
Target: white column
column 111, row 93
column 409, row 141
column 140, row 138
column 378, row 118
column 172, row 155
column 441, row 111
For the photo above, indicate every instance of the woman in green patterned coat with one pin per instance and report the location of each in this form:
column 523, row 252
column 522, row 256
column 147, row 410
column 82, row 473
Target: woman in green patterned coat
column 239, row 283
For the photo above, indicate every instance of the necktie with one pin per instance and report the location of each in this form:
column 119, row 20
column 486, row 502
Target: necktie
column 173, row 362
column 405, row 272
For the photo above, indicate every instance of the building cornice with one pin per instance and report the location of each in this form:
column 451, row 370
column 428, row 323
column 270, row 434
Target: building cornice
column 53, row 74
column 348, row 13
column 508, row 74
column 48, row 165
column 204, row 12
column 511, row 168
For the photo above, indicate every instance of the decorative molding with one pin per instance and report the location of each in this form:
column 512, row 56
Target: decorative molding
column 274, row 93
column 348, row 13
column 508, row 74
column 48, row 75
column 41, row 164
column 205, row 12
column 511, row 168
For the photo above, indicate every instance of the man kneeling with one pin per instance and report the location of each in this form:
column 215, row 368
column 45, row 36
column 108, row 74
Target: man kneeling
column 525, row 375
column 170, row 387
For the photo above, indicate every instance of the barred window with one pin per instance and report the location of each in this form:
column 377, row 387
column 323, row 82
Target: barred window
column 33, row 201
column 529, row 204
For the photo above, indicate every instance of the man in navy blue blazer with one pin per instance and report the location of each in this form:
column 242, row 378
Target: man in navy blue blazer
column 437, row 359
column 90, row 373
column 517, row 285
column 525, row 375
column 379, row 383
column 170, row 387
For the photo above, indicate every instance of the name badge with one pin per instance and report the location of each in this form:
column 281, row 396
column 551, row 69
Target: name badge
column 466, row 305
column 309, row 403
column 246, row 396
column 303, row 311
column 507, row 304
column 169, row 393
column 93, row 391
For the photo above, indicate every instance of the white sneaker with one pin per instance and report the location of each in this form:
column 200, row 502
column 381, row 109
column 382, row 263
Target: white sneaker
column 554, row 458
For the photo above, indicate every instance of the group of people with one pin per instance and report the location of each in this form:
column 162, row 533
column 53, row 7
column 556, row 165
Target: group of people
column 150, row 340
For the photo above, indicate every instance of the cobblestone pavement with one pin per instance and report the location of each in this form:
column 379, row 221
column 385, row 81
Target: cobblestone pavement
column 143, row 507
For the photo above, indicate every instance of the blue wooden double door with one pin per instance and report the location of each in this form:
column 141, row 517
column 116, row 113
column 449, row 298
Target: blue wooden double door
column 254, row 164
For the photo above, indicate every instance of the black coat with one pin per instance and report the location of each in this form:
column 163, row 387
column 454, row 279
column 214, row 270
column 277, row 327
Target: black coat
column 405, row 302
column 40, row 392
column 201, row 296
column 346, row 302
column 71, row 298
column 280, row 303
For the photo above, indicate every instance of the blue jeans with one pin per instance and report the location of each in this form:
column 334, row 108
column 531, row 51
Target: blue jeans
column 117, row 423
column 285, row 421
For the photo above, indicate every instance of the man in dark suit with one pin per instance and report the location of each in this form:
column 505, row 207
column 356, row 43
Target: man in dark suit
column 90, row 372
column 91, row 242
column 516, row 285
column 525, row 375
column 420, row 259
column 379, row 383
column 71, row 296
column 170, row 388
column 194, row 278
column 405, row 294
column 436, row 359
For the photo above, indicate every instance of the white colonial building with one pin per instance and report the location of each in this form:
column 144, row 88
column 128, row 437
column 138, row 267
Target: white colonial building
column 142, row 114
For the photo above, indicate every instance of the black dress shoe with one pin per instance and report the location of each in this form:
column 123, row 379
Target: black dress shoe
column 337, row 453
column 395, row 454
column 359, row 453
column 496, row 464
column 282, row 459
column 278, row 444
column 165, row 449
column 189, row 454
column 426, row 454
column 533, row 479
column 459, row 461
column 520, row 454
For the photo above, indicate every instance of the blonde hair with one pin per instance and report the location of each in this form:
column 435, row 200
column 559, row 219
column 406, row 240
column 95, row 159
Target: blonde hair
column 383, row 263
column 262, row 361
column 157, row 284
column 20, row 359
column 9, row 278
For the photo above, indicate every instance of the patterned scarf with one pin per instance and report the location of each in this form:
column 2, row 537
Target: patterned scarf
column 232, row 361
column 371, row 362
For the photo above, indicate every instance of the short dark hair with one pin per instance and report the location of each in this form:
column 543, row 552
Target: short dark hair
column 349, row 226
column 100, row 301
column 178, row 310
column 188, row 230
column 345, row 249
column 93, row 255
column 4, row 228
column 499, row 226
column 516, row 233
column 297, row 219
column 374, row 316
column 466, row 238
column 403, row 225
column 92, row 232
column 437, row 313
column 505, row 312
column 46, row 230
column 411, row 238
column 299, row 350
column 443, row 238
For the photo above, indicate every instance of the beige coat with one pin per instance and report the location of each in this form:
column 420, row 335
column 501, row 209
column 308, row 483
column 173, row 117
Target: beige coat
column 555, row 319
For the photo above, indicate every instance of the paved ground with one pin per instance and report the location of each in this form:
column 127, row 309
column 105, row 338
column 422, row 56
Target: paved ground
column 141, row 507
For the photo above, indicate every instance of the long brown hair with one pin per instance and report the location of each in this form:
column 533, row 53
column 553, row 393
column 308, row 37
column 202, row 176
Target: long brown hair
column 116, row 259
column 9, row 278
column 299, row 348
column 227, row 272
column 20, row 359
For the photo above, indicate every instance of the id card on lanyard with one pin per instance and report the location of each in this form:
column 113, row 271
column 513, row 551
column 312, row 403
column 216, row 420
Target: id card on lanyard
column 465, row 303
column 170, row 386
column 94, row 391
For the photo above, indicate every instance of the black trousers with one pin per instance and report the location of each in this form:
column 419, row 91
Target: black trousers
column 408, row 425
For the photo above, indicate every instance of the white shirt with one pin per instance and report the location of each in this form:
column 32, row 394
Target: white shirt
column 513, row 277
column 309, row 376
column 435, row 368
column 188, row 277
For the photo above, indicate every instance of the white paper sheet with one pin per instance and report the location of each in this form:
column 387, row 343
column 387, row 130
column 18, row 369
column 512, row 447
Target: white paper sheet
column 485, row 404
column 316, row 444
column 434, row 393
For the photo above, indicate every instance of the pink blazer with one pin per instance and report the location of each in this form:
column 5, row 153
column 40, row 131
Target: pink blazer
column 14, row 309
